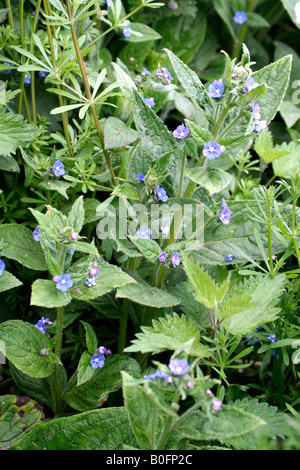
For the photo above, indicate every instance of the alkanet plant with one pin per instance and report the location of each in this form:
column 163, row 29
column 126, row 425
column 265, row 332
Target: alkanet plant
column 161, row 270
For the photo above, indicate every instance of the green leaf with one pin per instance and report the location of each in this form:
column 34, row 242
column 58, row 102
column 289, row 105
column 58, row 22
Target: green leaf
column 143, row 294
column 60, row 186
column 200, row 134
column 8, row 281
column 191, row 84
column 18, row 416
column 8, row 163
column 276, row 76
column 85, row 372
column 145, row 419
column 146, row 33
column 14, row 132
column 223, row 9
column 226, row 424
column 94, row 392
column 123, row 190
column 22, row 343
column 45, row 294
column 75, row 217
column 148, row 248
column 94, row 430
column 52, row 222
column 290, row 6
column 169, row 333
column 17, row 237
column 212, row 179
column 117, row 134
column 90, row 338
column 276, row 424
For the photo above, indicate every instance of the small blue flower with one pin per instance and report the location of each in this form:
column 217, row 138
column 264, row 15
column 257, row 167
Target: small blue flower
column 216, row 89
column 260, row 125
column 91, row 282
column 272, row 337
column 41, row 324
column 256, row 112
column 161, row 194
column 42, row 74
column 140, row 177
column 27, row 80
column 165, row 231
column 216, row 404
column 146, row 71
column 2, row 266
column 7, row 63
column 108, row 3
column 240, row 17
column 150, row 102
column 175, row 259
column 143, row 232
column 181, row 132
column 58, row 168
column 179, row 366
column 225, row 213
column 229, row 257
column 167, row 74
column 212, row 150
column 102, row 350
column 97, row 361
column 162, row 257
column 64, row 282
column 70, row 250
column 157, row 374
column 251, row 84
column 36, row 234
column 127, row 31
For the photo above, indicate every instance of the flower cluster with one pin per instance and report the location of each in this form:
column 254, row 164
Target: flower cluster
column 175, row 258
column 42, row 324
column 258, row 124
column 150, row 102
column 164, row 75
column 93, row 272
column 225, row 214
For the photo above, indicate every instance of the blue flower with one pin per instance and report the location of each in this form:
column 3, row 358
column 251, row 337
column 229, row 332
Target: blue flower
column 42, row 74
column 216, row 89
column 179, row 366
column 212, row 150
column 175, row 259
column 251, row 84
column 91, row 281
column 7, row 63
column 157, row 374
column 27, row 80
column 108, row 3
column 225, row 213
column 272, row 337
column 97, row 361
column 58, row 168
column 2, row 266
column 260, row 125
column 70, row 250
column 165, row 232
column 146, row 71
column 229, row 257
column 64, row 282
column 167, row 74
column 41, row 324
column 140, row 177
column 127, row 31
column 143, row 232
column 162, row 257
column 150, row 102
column 240, row 17
column 256, row 112
column 181, row 132
column 216, row 404
column 161, row 194
column 36, row 234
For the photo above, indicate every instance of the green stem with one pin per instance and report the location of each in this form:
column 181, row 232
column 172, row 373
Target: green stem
column 237, row 47
column 57, row 368
column 168, row 425
column 270, row 240
column 32, row 84
column 295, row 238
column 181, row 175
column 88, row 92
column 10, row 17
column 64, row 116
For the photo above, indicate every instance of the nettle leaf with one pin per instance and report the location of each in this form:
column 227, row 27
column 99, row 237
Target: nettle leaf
column 276, row 76
column 146, row 420
column 169, row 333
column 19, row 244
column 94, row 392
column 75, row 217
column 212, row 179
column 191, row 84
column 226, row 424
column 207, row 291
column 8, row 281
column 94, row 430
column 45, row 294
column 22, row 344
column 18, row 416
column 264, row 293
column 276, row 424
column 117, row 134
column 142, row 293
column 14, row 132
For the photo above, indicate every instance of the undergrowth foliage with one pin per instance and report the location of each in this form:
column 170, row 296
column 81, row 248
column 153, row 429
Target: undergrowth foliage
column 149, row 237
